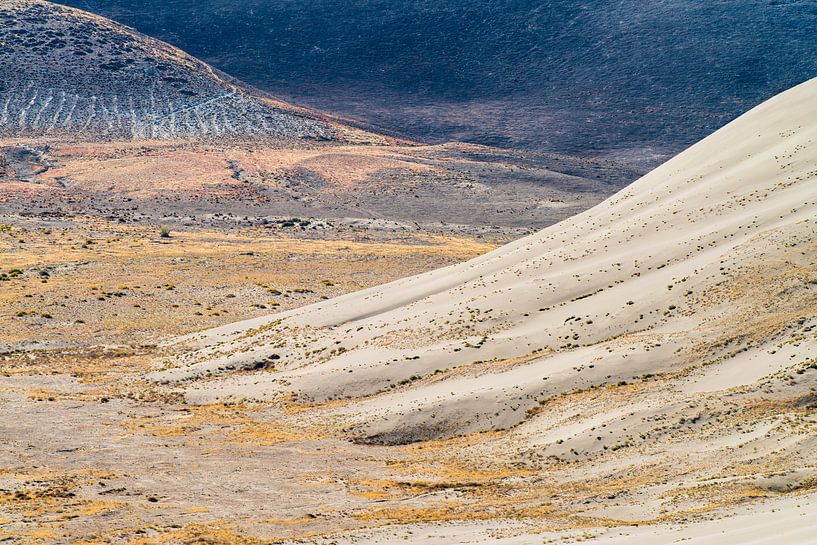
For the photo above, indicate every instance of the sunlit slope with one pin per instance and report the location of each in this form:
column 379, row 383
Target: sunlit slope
column 698, row 278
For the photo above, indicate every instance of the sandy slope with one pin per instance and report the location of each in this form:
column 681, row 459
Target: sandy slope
column 664, row 339
column 790, row 521
column 670, row 261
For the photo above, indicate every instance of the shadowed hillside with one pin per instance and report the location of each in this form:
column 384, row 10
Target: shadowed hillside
column 634, row 79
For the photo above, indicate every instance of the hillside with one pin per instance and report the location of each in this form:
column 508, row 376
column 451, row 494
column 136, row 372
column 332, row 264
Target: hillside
column 671, row 326
column 633, row 80
column 713, row 241
column 66, row 72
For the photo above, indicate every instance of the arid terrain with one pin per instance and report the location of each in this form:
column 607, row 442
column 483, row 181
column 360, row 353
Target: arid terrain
column 649, row 361
column 286, row 330
column 550, row 390
column 86, row 301
column 91, row 290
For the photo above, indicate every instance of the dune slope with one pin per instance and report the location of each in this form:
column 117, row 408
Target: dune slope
column 695, row 288
column 651, row 361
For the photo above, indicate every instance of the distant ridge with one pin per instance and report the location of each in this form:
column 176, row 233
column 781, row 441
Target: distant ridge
column 634, row 81
column 65, row 71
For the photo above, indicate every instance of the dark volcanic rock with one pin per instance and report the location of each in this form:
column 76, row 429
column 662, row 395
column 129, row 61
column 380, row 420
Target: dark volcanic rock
column 69, row 72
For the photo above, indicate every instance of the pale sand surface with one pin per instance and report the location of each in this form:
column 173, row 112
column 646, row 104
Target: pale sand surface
column 789, row 521
column 665, row 338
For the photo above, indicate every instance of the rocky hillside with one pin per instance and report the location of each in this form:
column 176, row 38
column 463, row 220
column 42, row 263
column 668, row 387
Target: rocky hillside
column 65, row 71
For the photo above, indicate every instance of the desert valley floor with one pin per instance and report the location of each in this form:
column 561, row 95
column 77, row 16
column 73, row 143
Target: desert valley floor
column 92, row 290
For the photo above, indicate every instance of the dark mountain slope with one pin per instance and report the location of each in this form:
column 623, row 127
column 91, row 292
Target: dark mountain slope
column 629, row 77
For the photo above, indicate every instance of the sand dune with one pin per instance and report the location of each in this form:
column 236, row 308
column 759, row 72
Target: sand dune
column 789, row 522
column 664, row 338
column 646, row 282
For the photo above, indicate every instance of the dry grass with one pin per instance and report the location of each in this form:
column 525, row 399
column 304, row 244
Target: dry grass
column 128, row 284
